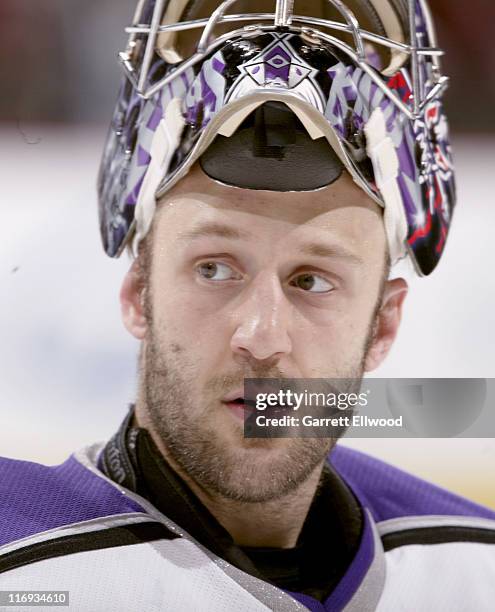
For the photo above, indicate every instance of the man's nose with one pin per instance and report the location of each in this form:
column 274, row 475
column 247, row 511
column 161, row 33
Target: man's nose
column 262, row 320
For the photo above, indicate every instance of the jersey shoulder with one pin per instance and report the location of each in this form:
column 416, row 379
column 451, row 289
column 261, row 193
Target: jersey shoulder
column 35, row 497
column 391, row 493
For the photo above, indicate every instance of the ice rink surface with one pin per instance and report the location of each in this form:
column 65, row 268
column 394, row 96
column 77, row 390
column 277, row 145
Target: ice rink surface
column 68, row 366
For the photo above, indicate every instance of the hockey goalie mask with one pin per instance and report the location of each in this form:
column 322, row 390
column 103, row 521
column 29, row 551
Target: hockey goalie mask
column 358, row 82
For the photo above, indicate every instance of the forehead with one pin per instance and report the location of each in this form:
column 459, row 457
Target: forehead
column 341, row 211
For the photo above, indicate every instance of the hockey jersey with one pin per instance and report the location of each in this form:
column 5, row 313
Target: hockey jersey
column 71, row 528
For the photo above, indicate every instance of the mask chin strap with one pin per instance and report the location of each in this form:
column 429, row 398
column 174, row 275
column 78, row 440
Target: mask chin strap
column 383, row 155
column 164, row 144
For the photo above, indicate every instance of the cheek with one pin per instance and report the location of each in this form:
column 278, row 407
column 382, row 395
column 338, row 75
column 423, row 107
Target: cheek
column 187, row 314
column 190, row 322
column 337, row 337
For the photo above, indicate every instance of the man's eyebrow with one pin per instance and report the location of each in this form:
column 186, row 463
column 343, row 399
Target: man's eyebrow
column 318, row 249
column 315, row 249
column 213, row 228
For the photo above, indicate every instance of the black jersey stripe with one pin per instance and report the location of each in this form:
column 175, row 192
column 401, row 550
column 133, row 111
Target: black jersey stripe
column 437, row 535
column 124, row 535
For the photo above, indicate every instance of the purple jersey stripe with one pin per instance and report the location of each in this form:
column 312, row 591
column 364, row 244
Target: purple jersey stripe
column 390, row 493
column 35, row 498
column 356, row 571
column 309, row 602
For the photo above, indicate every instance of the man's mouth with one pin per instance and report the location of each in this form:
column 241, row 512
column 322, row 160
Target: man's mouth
column 242, row 408
column 236, row 403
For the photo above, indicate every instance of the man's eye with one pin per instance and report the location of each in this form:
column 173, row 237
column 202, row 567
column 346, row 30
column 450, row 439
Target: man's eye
column 216, row 271
column 312, row 283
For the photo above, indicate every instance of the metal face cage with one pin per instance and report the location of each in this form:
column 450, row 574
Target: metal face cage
column 371, row 84
column 147, row 25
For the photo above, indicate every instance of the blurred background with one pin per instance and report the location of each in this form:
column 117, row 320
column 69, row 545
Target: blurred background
column 68, row 366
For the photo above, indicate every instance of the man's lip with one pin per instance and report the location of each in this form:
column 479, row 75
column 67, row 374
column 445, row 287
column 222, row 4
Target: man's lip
column 239, row 393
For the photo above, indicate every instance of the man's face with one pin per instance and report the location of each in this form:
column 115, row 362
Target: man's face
column 253, row 284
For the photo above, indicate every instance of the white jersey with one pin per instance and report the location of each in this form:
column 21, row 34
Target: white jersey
column 70, row 528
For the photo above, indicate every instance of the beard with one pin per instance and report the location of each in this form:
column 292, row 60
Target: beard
column 208, row 444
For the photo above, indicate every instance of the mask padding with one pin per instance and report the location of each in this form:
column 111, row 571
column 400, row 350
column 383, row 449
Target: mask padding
column 271, row 150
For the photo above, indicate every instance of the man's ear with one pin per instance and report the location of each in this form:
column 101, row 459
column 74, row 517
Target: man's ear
column 387, row 323
column 132, row 302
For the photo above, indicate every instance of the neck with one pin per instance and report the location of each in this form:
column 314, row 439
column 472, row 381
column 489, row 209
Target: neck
column 276, row 523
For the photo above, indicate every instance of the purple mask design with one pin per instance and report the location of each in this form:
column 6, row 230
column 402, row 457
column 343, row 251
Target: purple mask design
column 344, row 96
